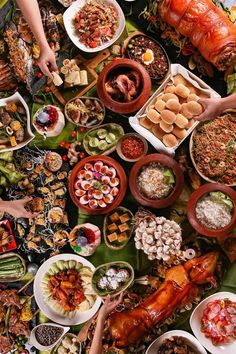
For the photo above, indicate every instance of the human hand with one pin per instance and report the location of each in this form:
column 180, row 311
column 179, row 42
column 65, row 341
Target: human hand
column 212, row 108
column 47, row 61
column 17, row 208
column 109, row 305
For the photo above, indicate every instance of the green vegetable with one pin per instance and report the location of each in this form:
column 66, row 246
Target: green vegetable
column 170, row 176
column 13, row 176
column 6, row 156
column 93, row 142
column 102, row 145
column 110, row 138
column 102, row 133
column 224, row 198
column 7, row 317
column 8, row 259
column 3, row 181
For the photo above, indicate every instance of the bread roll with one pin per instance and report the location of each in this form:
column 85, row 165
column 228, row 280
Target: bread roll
column 157, row 131
column 181, row 121
column 168, row 116
column 166, row 127
column 190, row 123
column 173, row 105
column 146, row 123
column 151, row 106
column 168, row 96
column 179, row 79
column 154, row 116
column 169, row 89
column 170, row 140
column 194, row 107
column 192, row 97
column 160, row 105
column 182, row 91
column 180, row 133
column 185, row 112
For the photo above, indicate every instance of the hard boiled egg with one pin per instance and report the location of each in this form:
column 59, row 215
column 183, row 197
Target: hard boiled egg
column 148, row 57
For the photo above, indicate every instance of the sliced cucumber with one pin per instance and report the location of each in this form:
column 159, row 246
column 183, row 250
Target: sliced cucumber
column 102, row 133
column 110, row 138
column 102, row 145
column 93, row 142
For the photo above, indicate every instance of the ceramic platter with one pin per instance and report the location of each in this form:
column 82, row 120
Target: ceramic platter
column 80, row 317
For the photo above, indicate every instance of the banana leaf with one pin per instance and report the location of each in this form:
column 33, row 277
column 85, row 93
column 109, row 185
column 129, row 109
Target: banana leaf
column 229, row 281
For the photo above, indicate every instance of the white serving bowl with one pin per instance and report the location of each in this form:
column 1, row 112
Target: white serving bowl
column 195, row 323
column 68, row 18
column 37, row 345
column 192, row 341
column 28, row 132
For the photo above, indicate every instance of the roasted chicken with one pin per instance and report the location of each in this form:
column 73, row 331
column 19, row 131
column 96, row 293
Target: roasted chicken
column 180, row 286
column 208, row 28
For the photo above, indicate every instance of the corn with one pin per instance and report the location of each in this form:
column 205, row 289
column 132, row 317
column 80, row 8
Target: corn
column 15, row 125
column 13, row 141
column 26, row 312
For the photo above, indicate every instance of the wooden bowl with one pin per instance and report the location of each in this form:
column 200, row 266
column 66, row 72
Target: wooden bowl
column 124, row 65
column 191, row 209
column 120, row 153
column 120, row 173
column 166, row 161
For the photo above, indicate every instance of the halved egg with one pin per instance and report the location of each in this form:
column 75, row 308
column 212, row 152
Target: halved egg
column 106, row 179
column 148, row 57
column 97, row 194
column 93, row 203
column 101, row 203
column 81, row 173
column 80, row 192
column 114, row 182
column 77, row 184
column 104, row 170
column 111, row 172
column 97, row 166
column 105, row 189
column 90, row 193
column 85, row 185
column 84, row 199
column 114, row 191
column 88, row 167
column 88, row 175
column 108, row 198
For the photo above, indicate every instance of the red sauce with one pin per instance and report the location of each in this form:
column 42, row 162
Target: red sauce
column 132, row 147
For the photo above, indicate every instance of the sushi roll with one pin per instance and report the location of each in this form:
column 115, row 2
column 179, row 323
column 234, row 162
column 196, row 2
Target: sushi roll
column 103, row 283
column 111, row 272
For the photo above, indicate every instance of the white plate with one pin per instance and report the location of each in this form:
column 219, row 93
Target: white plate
column 195, row 323
column 193, row 342
column 80, row 317
column 29, row 135
column 69, row 16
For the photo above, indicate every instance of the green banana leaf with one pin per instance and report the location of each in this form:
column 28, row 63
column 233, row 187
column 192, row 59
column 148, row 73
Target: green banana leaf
column 229, row 281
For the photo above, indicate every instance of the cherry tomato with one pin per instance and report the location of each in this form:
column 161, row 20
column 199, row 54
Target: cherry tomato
column 67, row 146
column 39, row 75
column 73, row 134
column 81, row 154
column 62, row 144
column 82, row 129
column 64, row 158
column 92, row 44
column 51, row 44
column 47, row 89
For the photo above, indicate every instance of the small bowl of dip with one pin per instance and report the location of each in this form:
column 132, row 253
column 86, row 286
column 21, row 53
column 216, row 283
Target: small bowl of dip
column 132, row 147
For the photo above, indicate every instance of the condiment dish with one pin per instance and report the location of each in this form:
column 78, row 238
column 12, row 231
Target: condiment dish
column 119, row 147
column 35, row 342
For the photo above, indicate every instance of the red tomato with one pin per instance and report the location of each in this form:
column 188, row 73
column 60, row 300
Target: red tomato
column 47, row 89
column 73, row 134
column 67, row 146
column 39, row 75
column 82, row 129
column 64, row 158
column 62, row 144
column 81, row 154
column 92, row 44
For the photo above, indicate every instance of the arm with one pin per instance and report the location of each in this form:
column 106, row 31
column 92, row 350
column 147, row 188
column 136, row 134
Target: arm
column 105, row 310
column 214, row 106
column 31, row 13
column 17, row 208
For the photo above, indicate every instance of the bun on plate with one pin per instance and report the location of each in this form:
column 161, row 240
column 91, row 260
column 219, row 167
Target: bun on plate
column 179, row 79
column 173, row 105
column 181, row 121
column 169, row 89
column 157, row 131
column 166, row 127
column 179, row 132
column 168, row 96
column 160, row 105
column 168, row 116
column 192, row 97
column 169, row 140
column 194, row 107
column 185, row 112
column 145, row 122
column 182, row 91
column 154, row 116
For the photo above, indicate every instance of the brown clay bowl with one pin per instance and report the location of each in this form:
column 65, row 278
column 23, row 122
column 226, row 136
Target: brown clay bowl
column 123, row 66
column 119, row 150
column 120, row 173
column 163, row 160
column 191, row 209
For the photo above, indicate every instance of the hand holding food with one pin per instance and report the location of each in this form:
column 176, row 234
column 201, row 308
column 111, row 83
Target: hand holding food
column 214, row 106
column 47, row 61
column 109, row 305
column 16, row 208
